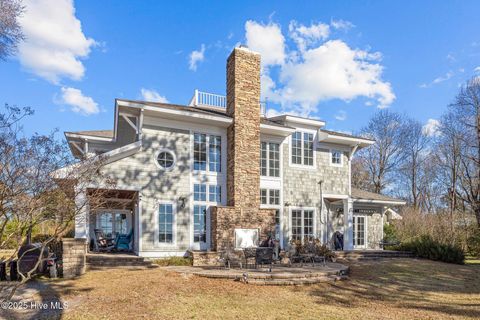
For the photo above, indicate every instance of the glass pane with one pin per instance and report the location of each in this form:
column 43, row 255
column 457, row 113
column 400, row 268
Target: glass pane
column 199, row 223
column 297, row 148
column 165, row 223
column 263, row 159
column 200, row 192
column 214, row 153
column 200, row 152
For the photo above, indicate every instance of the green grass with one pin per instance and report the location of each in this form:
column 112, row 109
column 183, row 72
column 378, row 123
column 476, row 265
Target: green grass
column 174, row 261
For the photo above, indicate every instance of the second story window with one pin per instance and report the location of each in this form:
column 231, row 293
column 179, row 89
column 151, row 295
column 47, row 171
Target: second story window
column 207, row 149
column 336, row 157
column 302, row 148
column 270, row 159
column 270, row 197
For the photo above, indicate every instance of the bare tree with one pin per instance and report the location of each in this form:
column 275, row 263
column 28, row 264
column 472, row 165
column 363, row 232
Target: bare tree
column 412, row 172
column 40, row 186
column 382, row 159
column 466, row 116
column 10, row 30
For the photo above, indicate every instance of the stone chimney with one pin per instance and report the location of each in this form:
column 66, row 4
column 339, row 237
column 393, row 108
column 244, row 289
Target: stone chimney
column 243, row 158
column 243, row 105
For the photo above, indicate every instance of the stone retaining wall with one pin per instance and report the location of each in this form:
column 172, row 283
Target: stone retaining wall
column 74, row 257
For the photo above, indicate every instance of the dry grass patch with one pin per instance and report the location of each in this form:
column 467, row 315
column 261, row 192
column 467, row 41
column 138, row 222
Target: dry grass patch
column 386, row 289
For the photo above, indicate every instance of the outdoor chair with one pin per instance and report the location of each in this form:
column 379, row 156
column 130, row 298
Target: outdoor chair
column 101, row 242
column 248, row 254
column 264, row 255
column 123, row 241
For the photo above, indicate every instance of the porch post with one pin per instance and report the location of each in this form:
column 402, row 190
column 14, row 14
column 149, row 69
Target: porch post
column 348, row 224
column 81, row 217
column 138, row 224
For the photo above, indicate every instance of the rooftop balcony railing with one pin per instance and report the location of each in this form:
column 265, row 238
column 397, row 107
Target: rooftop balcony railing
column 211, row 100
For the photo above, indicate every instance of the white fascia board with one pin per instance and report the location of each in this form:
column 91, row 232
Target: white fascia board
column 177, row 113
column 351, row 141
column 276, row 130
column 70, row 135
column 392, row 202
column 335, row 196
column 107, row 157
column 299, row 120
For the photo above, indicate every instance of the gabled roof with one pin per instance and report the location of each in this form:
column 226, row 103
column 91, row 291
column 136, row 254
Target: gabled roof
column 368, row 196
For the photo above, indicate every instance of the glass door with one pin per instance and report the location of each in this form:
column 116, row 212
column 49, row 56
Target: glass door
column 114, row 222
column 359, row 232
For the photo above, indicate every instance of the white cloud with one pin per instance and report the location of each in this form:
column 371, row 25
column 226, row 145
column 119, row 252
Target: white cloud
column 431, row 128
column 342, row 24
column 333, row 71
column 78, row 102
column 267, row 40
column 152, row 96
column 312, row 70
column 196, row 57
column 477, row 69
column 341, row 115
column 438, row 80
column 55, row 43
column 307, row 36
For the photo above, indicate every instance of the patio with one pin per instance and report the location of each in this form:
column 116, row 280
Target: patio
column 297, row 274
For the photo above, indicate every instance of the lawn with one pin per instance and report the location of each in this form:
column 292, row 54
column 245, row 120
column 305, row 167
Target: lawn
column 386, row 289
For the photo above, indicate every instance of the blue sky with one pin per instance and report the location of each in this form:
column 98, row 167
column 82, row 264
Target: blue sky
column 339, row 61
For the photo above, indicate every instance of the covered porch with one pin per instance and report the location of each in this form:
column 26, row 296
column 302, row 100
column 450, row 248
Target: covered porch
column 109, row 220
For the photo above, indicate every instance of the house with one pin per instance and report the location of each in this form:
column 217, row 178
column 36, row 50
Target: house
column 218, row 174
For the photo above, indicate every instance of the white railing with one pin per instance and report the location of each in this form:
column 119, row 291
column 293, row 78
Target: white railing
column 205, row 99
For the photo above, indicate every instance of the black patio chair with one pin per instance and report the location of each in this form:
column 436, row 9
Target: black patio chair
column 264, row 255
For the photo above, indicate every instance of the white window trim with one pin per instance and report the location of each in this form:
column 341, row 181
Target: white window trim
column 290, row 146
column 331, row 150
column 280, row 152
column 174, row 224
column 290, row 209
column 174, row 159
column 272, row 206
column 365, row 244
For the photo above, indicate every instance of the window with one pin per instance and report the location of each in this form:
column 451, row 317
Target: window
column 215, row 154
column 201, row 155
column 270, row 159
column 166, row 159
column 106, row 224
column 302, row 224
column 165, row 223
column 200, row 151
column 277, row 224
column 263, row 196
column 215, row 193
column 199, row 223
column 270, row 196
column 274, row 197
column 336, row 157
column 302, row 148
column 200, row 192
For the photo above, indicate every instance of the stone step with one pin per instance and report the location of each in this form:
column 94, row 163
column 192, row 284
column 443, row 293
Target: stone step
column 296, row 281
column 116, row 260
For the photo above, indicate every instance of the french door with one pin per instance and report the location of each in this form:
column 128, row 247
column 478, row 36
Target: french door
column 114, row 222
column 201, row 227
column 359, row 232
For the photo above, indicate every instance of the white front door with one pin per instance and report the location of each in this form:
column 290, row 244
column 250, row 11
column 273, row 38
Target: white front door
column 359, row 232
column 113, row 222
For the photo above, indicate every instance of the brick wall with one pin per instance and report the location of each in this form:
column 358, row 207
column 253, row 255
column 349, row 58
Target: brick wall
column 74, row 257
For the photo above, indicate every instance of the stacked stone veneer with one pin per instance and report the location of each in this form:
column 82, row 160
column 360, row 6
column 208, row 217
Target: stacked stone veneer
column 74, row 257
column 243, row 163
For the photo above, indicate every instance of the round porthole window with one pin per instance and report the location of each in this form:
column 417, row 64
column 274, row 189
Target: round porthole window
column 166, row 159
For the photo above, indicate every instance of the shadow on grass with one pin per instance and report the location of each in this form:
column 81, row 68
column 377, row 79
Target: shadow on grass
column 409, row 284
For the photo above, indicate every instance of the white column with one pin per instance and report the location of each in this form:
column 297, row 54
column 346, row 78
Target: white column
column 138, row 223
column 81, row 217
column 348, row 224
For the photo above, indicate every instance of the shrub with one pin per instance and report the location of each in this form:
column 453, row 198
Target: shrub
column 473, row 243
column 313, row 246
column 425, row 247
column 174, row 261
